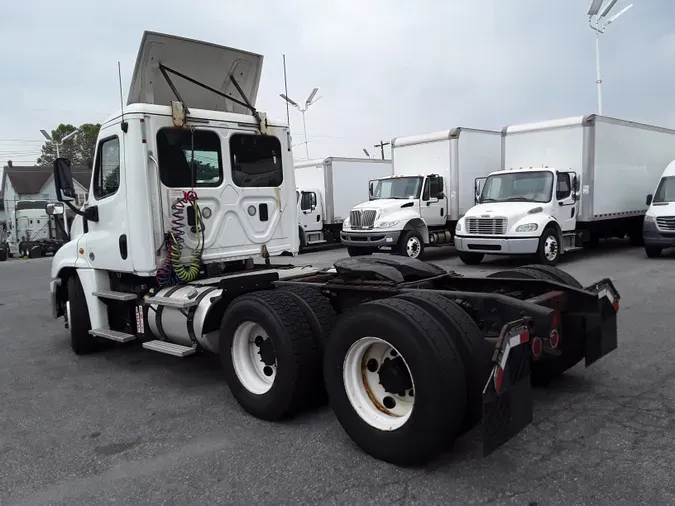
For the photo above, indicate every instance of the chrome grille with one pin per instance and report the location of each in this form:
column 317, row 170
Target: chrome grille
column 486, row 226
column 362, row 218
column 666, row 223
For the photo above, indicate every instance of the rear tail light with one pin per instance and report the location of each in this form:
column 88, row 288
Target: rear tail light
column 554, row 339
column 537, row 347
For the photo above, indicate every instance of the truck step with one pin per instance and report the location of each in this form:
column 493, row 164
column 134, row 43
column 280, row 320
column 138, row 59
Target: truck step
column 575, row 248
column 171, row 302
column 113, row 295
column 113, row 335
column 176, row 350
column 318, row 241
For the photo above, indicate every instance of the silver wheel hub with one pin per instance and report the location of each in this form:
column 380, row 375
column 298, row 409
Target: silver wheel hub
column 551, row 248
column 413, row 247
column 253, row 358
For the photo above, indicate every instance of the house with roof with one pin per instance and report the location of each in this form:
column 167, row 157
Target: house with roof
column 37, row 183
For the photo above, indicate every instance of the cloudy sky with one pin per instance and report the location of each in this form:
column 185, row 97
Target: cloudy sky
column 384, row 68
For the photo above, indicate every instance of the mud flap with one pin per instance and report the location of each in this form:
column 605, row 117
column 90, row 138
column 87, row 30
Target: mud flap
column 507, row 396
column 601, row 334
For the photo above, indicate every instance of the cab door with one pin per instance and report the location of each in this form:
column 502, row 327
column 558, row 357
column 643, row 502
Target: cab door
column 310, row 212
column 105, row 241
column 566, row 206
column 434, row 205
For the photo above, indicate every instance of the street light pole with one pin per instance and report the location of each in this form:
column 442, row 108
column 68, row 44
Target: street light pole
column 58, row 144
column 310, row 101
column 58, row 155
column 594, row 11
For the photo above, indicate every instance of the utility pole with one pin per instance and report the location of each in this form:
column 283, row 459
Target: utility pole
column 381, row 145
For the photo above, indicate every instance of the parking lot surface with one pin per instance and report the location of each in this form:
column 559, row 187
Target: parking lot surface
column 135, row 427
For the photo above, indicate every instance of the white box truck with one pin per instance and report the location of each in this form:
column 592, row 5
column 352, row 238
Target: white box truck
column 431, row 188
column 327, row 190
column 565, row 184
column 191, row 183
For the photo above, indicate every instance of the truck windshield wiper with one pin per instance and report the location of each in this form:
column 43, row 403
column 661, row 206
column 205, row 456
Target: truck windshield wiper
column 517, row 199
column 487, row 200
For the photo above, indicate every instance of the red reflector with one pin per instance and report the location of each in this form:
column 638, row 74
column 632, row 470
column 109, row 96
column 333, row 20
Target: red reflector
column 554, row 339
column 144, row 141
column 554, row 320
column 536, row 346
column 615, row 305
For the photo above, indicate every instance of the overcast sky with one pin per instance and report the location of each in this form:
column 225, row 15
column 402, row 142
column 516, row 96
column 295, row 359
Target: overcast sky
column 384, row 68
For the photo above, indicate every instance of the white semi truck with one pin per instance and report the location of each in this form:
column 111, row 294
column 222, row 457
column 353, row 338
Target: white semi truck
column 432, row 188
column 565, row 184
column 32, row 232
column 191, row 184
column 327, row 190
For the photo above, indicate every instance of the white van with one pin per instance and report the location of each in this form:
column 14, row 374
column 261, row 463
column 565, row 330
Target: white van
column 659, row 226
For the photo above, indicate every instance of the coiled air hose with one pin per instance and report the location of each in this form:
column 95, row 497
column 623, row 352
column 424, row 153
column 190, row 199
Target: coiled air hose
column 173, row 270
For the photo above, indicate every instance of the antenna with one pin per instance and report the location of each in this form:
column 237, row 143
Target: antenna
column 288, row 114
column 124, row 125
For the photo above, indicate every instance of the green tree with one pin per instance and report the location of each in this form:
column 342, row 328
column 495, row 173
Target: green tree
column 79, row 148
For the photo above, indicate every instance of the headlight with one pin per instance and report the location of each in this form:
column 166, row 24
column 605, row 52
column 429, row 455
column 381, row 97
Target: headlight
column 650, row 219
column 346, row 224
column 458, row 227
column 527, row 227
column 387, row 224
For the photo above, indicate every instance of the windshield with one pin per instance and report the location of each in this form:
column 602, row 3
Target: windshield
column 398, row 188
column 518, row 187
column 666, row 190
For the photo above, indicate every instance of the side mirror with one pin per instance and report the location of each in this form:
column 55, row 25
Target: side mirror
column 53, row 208
column 370, row 189
column 63, row 180
column 440, row 195
column 649, row 199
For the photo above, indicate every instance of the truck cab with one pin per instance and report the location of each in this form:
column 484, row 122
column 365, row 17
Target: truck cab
column 658, row 231
column 310, row 216
column 524, row 211
column 402, row 213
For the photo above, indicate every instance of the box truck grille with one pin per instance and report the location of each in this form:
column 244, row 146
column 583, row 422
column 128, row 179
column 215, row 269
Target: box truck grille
column 362, row 219
column 486, row 226
column 666, row 223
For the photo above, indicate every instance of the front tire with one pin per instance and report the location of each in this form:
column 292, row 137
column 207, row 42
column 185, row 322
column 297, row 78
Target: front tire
column 81, row 342
column 395, row 381
column 268, row 354
column 471, row 258
column 411, row 244
column 548, row 252
column 652, row 252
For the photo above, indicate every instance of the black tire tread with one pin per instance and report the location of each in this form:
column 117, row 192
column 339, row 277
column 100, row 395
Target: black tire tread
column 319, row 306
column 474, row 350
column 297, row 328
column 448, row 419
column 81, row 342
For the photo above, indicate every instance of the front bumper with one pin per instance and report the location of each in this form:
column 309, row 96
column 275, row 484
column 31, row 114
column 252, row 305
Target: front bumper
column 497, row 245
column 655, row 238
column 369, row 238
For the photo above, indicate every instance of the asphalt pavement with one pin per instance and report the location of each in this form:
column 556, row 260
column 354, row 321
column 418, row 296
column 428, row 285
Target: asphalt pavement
column 131, row 426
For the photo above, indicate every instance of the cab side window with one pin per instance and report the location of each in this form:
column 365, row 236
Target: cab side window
column 432, row 187
column 564, row 187
column 107, row 168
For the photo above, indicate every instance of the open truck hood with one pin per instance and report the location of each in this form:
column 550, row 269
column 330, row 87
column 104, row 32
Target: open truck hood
column 207, row 63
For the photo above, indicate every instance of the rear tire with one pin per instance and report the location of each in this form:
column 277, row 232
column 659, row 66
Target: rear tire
column 424, row 423
column 81, row 342
column 546, row 369
column 471, row 258
column 3, row 255
column 321, row 316
column 287, row 384
column 470, row 343
column 653, row 252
